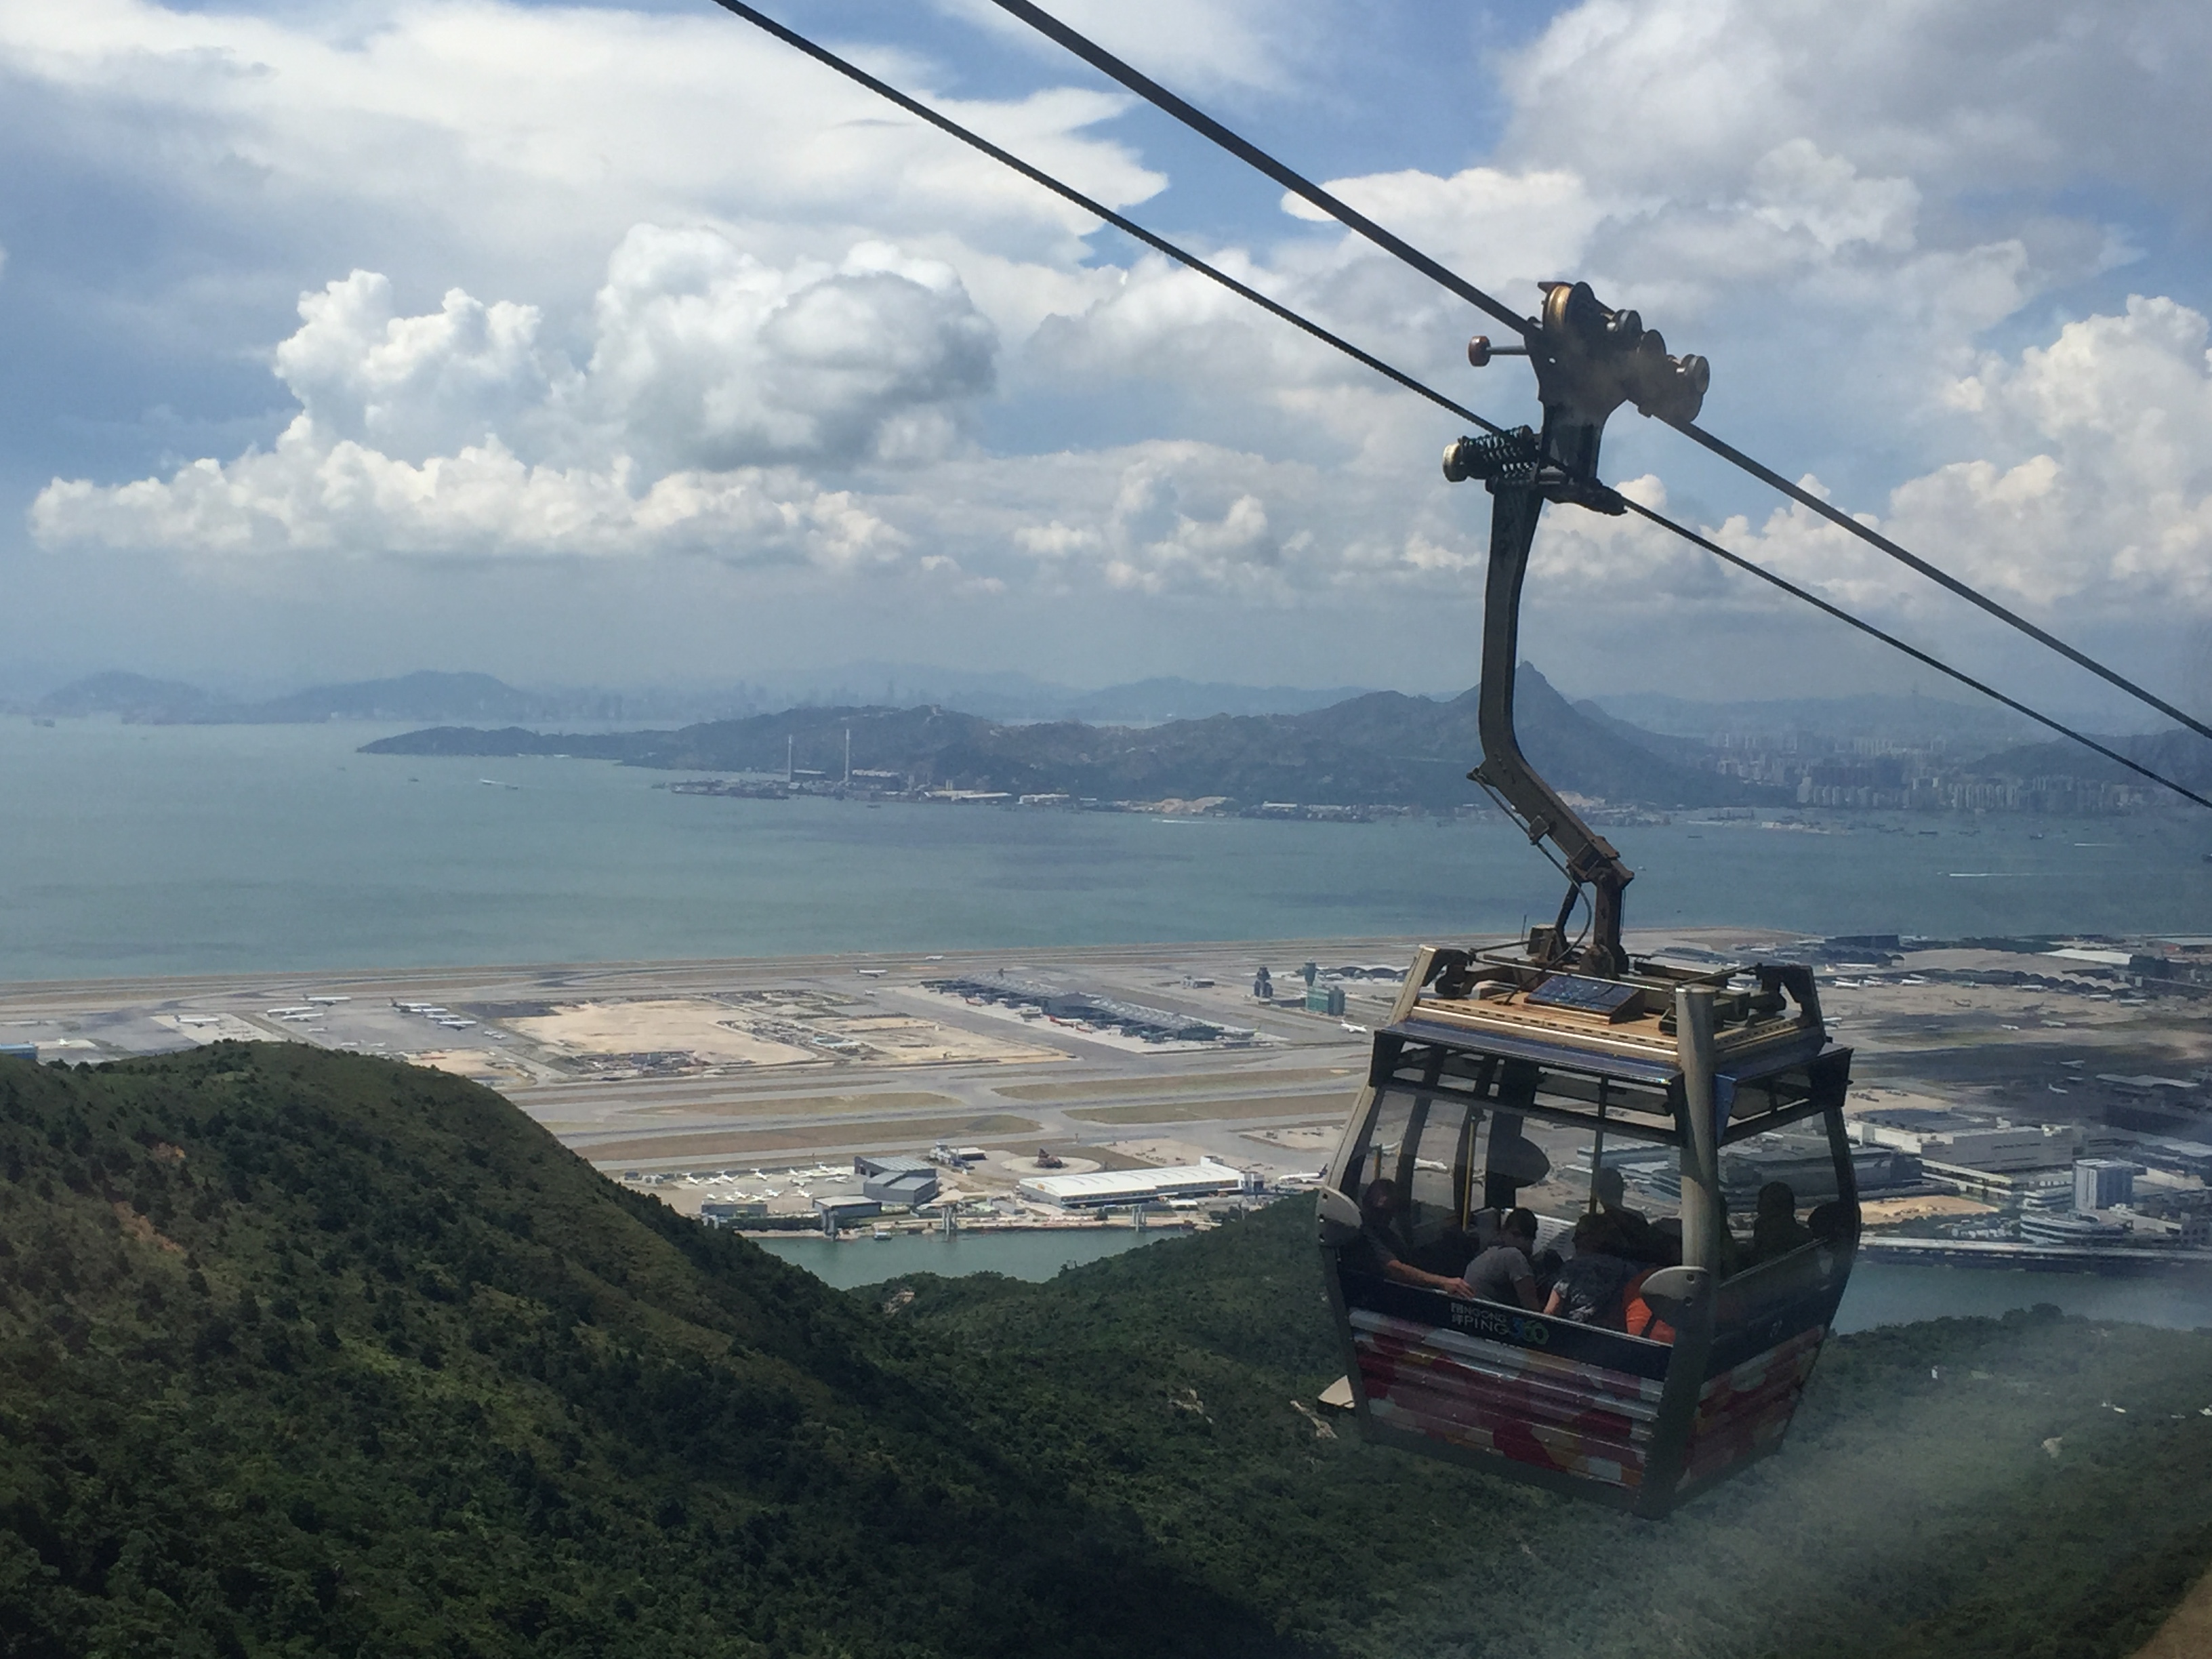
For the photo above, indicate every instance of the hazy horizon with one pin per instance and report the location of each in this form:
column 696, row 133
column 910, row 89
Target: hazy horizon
column 1007, row 695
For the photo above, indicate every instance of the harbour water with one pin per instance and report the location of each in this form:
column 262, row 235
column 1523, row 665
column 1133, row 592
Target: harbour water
column 1879, row 1294
column 135, row 850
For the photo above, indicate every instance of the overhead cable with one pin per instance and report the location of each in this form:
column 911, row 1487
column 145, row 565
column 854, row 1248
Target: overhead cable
column 1183, row 256
column 1067, row 192
column 1911, row 651
column 1835, row 515
column 1199, row 121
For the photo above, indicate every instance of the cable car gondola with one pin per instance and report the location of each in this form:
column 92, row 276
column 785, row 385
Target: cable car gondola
column 1480, row 1050
column 1486, row 1052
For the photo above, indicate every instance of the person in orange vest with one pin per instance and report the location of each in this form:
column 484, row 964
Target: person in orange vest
column 1638, row 1318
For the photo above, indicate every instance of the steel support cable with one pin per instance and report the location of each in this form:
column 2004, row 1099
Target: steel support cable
column 1837, row 516
column 1911, row 651
column 1199, row 121
column 946, row 124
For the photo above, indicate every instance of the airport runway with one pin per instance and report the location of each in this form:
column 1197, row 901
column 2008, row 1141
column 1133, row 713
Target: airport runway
column 1011, row 1080
column 669, row 1065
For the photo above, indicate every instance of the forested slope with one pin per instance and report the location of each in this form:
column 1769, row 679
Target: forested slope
column 307, row 1353
column 304, row 1353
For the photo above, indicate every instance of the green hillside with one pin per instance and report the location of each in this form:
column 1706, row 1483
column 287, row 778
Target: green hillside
column 307, row 1353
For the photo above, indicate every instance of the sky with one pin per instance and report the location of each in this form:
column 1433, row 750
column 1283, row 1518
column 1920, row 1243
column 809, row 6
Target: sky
column 620, row 345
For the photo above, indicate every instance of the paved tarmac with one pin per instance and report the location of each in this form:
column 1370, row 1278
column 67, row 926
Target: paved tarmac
column 1014, row 1082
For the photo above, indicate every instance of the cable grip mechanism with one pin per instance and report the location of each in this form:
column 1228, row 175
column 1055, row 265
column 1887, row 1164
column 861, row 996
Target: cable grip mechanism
column 1508, row 457
column 1590, row 359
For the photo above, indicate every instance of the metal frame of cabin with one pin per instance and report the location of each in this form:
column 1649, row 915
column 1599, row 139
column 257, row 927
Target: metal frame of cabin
column 1665, row 1057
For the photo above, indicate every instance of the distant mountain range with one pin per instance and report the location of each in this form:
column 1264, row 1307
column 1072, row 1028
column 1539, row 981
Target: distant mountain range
column 2182, row 755
column 1000, row 695
column 424, row 697
column 1380, row 748
column 1900, row 718
column 446, row 697
column 1674, row 728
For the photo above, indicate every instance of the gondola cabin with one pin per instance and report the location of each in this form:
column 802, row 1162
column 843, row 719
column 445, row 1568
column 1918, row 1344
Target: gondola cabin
column 1501, row 1084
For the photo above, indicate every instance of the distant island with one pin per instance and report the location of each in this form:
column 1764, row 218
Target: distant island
column 310, row 1353
column 1326, row 751
column 1382, row 749
column 141, row 700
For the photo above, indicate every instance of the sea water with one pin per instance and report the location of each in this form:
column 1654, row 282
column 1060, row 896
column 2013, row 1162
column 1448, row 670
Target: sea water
column 138, row 849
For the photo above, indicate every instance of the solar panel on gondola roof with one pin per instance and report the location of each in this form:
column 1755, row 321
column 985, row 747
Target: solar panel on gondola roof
column 1585, row 995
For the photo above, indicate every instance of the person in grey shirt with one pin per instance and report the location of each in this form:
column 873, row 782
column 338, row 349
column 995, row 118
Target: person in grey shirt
column 1502, row 1273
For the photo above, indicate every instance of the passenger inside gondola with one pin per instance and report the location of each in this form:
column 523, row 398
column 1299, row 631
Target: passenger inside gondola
column 1592, row 1280
column 1505, row 1272
column 1639, row 1318
column 1381, row 1248
column 1776, row 1231
column 1639, row 1240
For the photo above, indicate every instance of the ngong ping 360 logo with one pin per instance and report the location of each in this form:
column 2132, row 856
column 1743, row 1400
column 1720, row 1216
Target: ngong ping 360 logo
column 1500, row 1325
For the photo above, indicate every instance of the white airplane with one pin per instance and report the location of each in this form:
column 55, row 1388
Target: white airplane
column 1357, row 1031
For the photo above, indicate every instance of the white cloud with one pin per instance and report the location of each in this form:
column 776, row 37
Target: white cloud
column 717, row 386
column 703, row 356
column 505, row 138
column 1514, row 226
column 1677, row 97
column 817, row 314
column 410, row 385
column 455, row 433
column 1194, row 520
column 2113, row 506
column 315, row 493
column 1152, row 540
column 1797, row 188
column 1191, row 43
column 2097, row 506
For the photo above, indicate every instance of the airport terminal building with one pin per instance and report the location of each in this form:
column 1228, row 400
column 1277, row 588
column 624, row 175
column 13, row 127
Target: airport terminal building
column 1112, row 1189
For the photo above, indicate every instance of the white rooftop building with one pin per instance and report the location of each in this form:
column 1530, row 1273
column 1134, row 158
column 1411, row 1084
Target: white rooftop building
column 1105, row 1189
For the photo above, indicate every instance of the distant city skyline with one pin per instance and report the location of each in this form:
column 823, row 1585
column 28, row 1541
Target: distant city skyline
column 616, row 345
